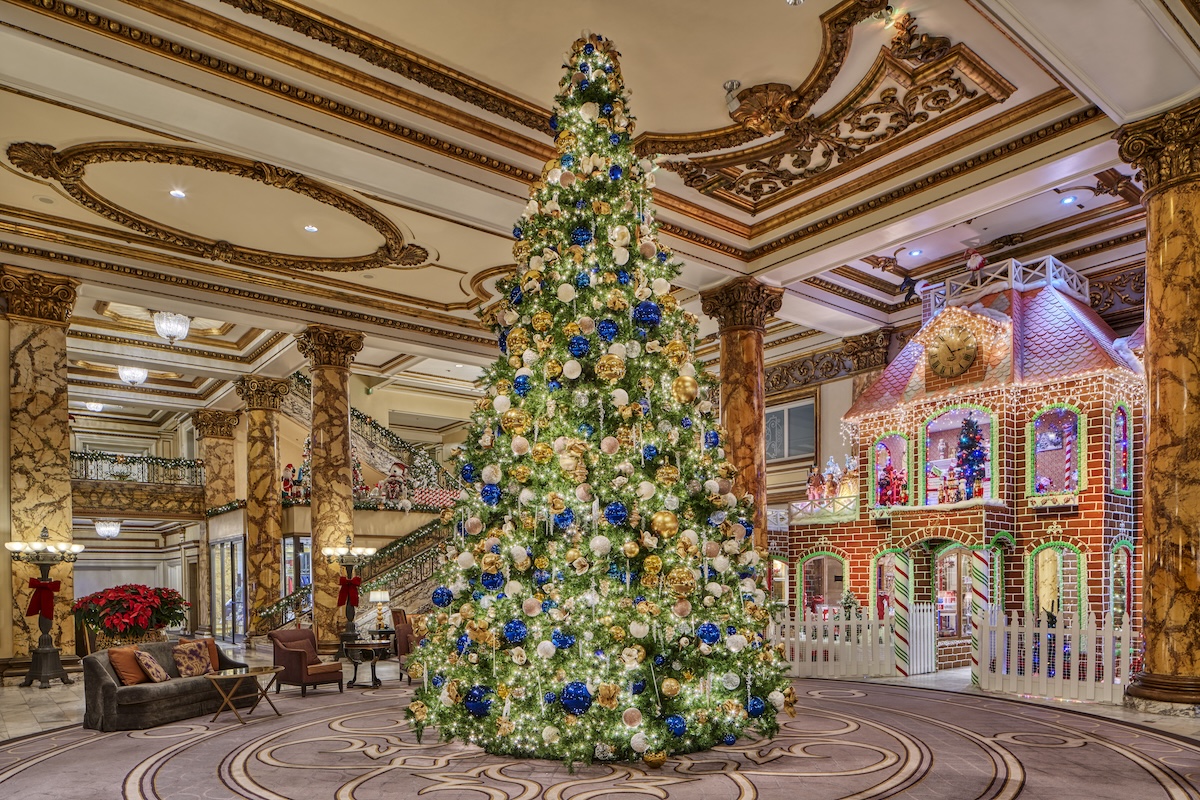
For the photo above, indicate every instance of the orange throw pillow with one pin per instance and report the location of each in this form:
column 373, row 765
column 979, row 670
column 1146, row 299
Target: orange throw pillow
column 212, row 650
column 126, row 665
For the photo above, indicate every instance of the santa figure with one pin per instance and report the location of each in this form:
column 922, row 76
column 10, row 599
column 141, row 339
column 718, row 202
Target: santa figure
column 975, row 260
column 288, row 479
column 395, row 488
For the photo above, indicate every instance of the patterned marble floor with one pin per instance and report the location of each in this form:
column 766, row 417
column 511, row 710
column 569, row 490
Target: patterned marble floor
column 848, row 740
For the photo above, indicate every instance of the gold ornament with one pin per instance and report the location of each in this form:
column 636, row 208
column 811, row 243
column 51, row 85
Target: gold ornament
column 552, row 369
column 667, row 475
column 646, row 382
column 541, row 562
column 653, row 565
column 617, row 633
column 676, row 352
column 572, row 329
column 682, row 581
column 601, row 208
column 447, row 515
column 625, row 436
column 533, row 275
column 617, row 301
column 542, row 321
column 419, row 669
column 520, row 250
column 520, row 473
column 518, row 340
column 610, row 368
column 649, row 581
column 565, row 141
column 664, row 523
column 668, row 302
column 557, row 504
column 655, row 759
column 503, row 386
column 630, row 549
column 670, row 687
column 542, row 453
column 490, row 563
column 684, row 389
column 516, row 421
column 514, row 361
column 610, row 277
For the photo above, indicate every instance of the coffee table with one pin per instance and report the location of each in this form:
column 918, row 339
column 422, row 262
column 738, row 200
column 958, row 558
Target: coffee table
column 234, row 679
column 358, row 652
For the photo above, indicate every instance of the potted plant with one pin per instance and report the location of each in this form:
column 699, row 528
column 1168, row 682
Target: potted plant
column 131, row 613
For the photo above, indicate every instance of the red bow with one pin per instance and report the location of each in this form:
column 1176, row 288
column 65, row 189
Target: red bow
column 42, row 602
column 349, row 590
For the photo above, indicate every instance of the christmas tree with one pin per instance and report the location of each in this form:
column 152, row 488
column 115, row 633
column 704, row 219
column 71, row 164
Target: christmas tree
column 971, row 455
column 603, row 598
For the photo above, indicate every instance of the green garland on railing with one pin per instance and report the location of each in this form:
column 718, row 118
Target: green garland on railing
column 386, row 579
column 121, row 458
column 295, row 601
column 232, row 505
column 411, row 537
column 368, row 504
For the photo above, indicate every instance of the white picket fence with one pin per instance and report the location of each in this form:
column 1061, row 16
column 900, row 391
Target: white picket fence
column 922, row 639
column 1091, row 663
column 830, row 648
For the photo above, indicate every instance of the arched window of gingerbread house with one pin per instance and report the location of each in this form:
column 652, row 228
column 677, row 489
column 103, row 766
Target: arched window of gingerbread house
column 1056, row 584
column 1122, row 578
column 1121, row 481
column 823, row 581
column 1056, row 450
column 958, row 447
column 889, row 459
column 952, row 585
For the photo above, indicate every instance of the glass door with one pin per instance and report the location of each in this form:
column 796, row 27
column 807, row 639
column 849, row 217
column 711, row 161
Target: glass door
column 229, row 590
column 297, row 563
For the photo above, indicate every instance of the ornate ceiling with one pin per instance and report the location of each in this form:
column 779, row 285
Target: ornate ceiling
column 407, row 133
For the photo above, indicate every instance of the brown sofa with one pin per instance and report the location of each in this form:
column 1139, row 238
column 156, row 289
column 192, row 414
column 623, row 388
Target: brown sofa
column 296, row 652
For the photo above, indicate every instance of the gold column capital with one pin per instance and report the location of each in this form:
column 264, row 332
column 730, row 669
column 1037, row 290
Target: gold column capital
column 1165, row 148
column 742, row 303
column 327, row 346
column 260, row 392
column 38, row 296
column 212, row 423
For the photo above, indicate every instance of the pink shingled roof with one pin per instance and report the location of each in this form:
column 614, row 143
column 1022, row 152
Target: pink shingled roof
column 1137, row 341
column 891, row 388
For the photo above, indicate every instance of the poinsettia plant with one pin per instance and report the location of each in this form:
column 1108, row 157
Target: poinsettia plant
column 131, row 608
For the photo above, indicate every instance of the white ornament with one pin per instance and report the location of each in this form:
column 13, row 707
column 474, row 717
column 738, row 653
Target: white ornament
column 721, row 564
column 554, row 175
column 736, row 643
column 502, row 403
column 639, row 630
column 600, row 545
column 491, row 474
column 776, row 699
column 572, row 370
column 639, row 743
column 550, row 733
column 633, row 349
column 620, row 397
column 529, row 357
column 517, row 553
column 688, row 371
column 583, row 492
column 620, row 256
column 660, row 286
column 645, row 490
column 526, row 371
column 465, row 560
column 731, row 680
column 527, row 496
column 566, row 292
column 617, row 349
column 546, row 649
column 589, row 112
column 514, row 588
column 619, row 236
column 711, row 486
column 713, row 588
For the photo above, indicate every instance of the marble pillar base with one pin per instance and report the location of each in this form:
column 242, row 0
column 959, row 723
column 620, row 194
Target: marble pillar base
column 1178, row 690
column 1144, row 706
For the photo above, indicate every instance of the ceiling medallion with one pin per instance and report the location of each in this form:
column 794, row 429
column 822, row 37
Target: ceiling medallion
column 67, row 168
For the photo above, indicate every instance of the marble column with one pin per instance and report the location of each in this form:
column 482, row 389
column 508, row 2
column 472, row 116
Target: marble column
column 264, row 504
column 215, row 432
column 38, row 310
column 742, row 307
column 1166, row 151
column 329, row 351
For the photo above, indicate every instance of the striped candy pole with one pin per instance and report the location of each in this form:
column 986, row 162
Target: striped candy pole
column 980, row 583
column 900, row 603
column 1069, row 462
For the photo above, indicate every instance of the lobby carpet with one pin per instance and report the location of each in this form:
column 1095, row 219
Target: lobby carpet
column 848, row 740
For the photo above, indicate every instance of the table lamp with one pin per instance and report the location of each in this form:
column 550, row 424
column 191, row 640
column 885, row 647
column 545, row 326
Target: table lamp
column 380, row 598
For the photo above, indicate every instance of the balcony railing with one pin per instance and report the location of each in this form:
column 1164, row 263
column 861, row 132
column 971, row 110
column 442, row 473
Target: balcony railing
column 94, row 465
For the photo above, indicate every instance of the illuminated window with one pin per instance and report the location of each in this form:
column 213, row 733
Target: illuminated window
column 1120, row 452
column 1122, row 577
column 823, row 584
column 891, row 471
column 1055, row 582
column 953, row 581
column 791, row 432
column 958, row 456
column 885, row 586
column 1056, row 451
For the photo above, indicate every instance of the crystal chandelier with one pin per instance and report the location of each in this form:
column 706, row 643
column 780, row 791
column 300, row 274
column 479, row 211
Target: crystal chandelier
column 132, row 375
column 171, row 326
column 108, row 528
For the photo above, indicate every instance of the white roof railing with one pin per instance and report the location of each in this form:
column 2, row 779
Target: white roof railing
column 963, row 289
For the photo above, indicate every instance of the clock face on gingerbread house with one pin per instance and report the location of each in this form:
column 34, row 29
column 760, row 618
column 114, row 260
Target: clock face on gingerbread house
column 952, row 352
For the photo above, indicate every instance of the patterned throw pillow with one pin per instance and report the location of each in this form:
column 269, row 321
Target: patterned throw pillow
column 192, row 659
column 151, row 667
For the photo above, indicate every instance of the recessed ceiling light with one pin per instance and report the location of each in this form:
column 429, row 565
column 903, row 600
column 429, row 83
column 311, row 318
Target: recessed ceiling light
column 459, row 366
column 310, row 228
column 41, row 198
column 915, row 253
column 180, row 193
column 1066, row 201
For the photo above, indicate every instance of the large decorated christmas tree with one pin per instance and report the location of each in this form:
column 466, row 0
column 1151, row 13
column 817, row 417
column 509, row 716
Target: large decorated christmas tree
column 603, row 598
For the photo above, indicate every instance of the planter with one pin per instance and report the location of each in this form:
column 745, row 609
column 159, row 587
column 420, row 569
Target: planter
column 106, row 640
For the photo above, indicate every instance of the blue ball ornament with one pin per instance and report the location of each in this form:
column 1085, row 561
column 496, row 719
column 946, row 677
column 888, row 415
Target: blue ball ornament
column 644, row 402
column 490, row 494
column 712, row 439
column 562, row 641
column 647, row 313
column 515, row 631
column 677, row 725
column 564, row 519
column 442, row 597
column 549, row 698
column 492, row 580
column 541, row 576
column 659, row 660
column 639, row 599
column 522, row 384
column 438, row 681
column 576, row 698
column 624, row 278
column 583, row 280
column 580, row 203
column 554, row 122
column 584, row 67
column 616, row 513
column 686, row 422
column 608, row 69
column 584, row 84
column 615, row 172
column 567, row 160
column 462, row 643
column 662, row 257
column 614, row 138
column 755, row 706
column 503, row 342
column 708, row 633
column 638, row 687
column 748, row 525
column 608, row 329
column 581, row 236
column 649, row 452
column 731, row 630
column 589, row 48
column 469, row 473
column 579, row 346
column 547, row 605
column 475, row 703
column 586, row 429
column 518, row 233
column 476, row 595
column 729, row 739
column 554, row 386
column 606, row 109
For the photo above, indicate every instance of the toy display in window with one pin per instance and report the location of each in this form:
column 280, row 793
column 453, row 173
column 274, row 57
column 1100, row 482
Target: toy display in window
column 892, row 486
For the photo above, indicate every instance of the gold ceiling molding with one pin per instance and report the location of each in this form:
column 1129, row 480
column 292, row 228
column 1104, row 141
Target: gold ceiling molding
column 849, row 294
column 235, row 358
column 68, row 169
column 92, row 369
column 146, row 389
column 177, row 281
column 146, row 325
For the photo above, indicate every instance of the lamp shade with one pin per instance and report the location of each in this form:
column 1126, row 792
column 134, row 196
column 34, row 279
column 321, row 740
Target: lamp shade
column 108, row 528
column 379, row 597
column 172, row 326
column 132, row 375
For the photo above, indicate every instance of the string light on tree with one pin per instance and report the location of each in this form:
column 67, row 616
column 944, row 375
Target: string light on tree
column 603, row 599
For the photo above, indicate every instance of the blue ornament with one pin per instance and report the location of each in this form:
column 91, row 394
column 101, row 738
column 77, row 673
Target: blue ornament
column 554, row 386
column 677, row 725
column 638, row 687
column 562, row 640
column 541, row 576
column 503, row 342
column 583, row 280
column 616, row 513
column 518, row 233
column 608, row 329
column 580, row 203
column 469, row 473
column 576, row 698
column 584, row 84
column 755, row 706
column 712, row 439
column 708, row 633
column 606, row 109
column 462, row 644
column 492, row 580
column 501, row 595
column 662, row 257
column 476, row 595
column 495, row 549
column 660, row 660
column 490, row 494
column 438, row 680
column 608, row 69
column 649, row 452
column 615, row 172
column 614, row 138
column 521, row 384
column 624, row 278
column 564, row 519
column 567, row 160
column 579, row 346
column 644, row 402
column 586, row 429
column 638, row 599
column 547, row 605
column 647, row 313
column 584, row 68
column 475, row 703
column 686, row 422
column 581, row 235
column 748, row 525
column 731, row 630
column 554, row 122
column 442, row 597
column 549, row 698
column 729, row 739
column 589, row 48
column 515, row 631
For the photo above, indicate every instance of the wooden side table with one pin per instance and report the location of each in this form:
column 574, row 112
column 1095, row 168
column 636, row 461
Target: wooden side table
column 234, row 679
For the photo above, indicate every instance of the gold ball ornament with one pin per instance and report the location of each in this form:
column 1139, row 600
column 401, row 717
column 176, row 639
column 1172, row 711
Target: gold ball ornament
column 520, row 473
column 664, row 523
column 653, row 565
column 514, row 361
column 542, row 321
column 668, row 302
column 447, row 515
column 610, row 368
column 552, row 369
column 542, row 452
column 534, row 275
column 630, row 549
column 682, row 581
column 676, row 352
column 503, row 386
column 616, row 300
column 667, row 475
column 518, row 340
column 565, row 141
column 572, row 329
column 516, row 421
column 521, row 250
column 670, row 687
column 684, row 389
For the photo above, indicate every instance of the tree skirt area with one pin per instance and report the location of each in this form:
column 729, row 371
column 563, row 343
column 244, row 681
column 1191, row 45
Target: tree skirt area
column 847, row 740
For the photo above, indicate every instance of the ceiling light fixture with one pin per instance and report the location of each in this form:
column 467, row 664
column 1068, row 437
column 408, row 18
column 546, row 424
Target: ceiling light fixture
column 179, row 193
column 458, row 365
column 795, row 2
column 132, row 375
column 310, row 228
column 108, row 528
column 95, row 408
column 1068, row 200
column 915, row 253
column 171, row 326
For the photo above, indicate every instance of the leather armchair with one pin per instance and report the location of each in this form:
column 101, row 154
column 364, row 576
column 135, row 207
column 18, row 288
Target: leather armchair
column 296, row 652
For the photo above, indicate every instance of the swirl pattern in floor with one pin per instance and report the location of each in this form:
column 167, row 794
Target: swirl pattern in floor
column 848, row 740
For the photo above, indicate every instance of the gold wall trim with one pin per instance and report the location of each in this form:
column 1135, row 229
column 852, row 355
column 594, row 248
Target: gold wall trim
column 114, row 320
column 68, row 169
column 821, row 284
column 72, row 380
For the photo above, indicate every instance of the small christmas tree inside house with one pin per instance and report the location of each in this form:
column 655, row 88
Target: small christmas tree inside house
column 603, row 599
column 971, row 456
